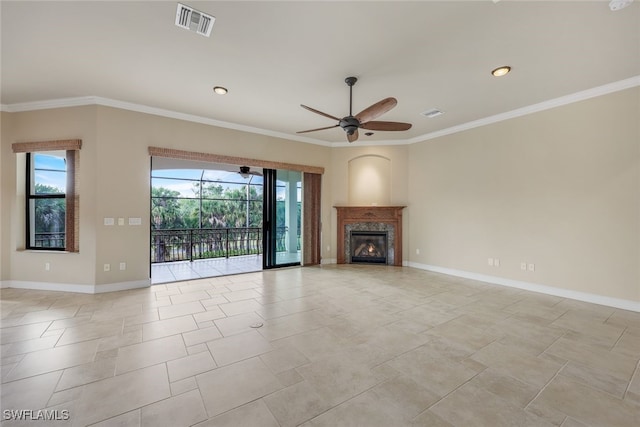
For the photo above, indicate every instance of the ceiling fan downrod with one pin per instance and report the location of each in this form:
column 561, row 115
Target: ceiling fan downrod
column 350, row 81
column 350, row 124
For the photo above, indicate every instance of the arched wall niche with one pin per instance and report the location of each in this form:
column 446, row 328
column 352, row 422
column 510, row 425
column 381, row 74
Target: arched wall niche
column 370, row 180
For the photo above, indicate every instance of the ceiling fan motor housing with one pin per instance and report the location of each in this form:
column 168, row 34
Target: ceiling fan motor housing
column 350, row 124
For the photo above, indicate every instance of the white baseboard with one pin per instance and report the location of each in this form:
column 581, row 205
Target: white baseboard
column 121, row 286
column 534, row 287
column 71, row 287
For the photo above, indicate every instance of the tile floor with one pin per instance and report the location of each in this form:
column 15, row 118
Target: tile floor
column 342, row 345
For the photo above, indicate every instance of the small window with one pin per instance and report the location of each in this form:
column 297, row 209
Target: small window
column 46, row 200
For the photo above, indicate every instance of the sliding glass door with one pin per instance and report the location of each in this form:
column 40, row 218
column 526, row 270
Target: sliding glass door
column 282, row 240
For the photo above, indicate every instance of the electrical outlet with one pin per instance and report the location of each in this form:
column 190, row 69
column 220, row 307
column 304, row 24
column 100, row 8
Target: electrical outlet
column 417, row 251
column 532, row 267
column 496, row 262
column 523, row 266
column 123, row 266
column 328, row 248
column 490, row 261
column 47, row 266
column 107, row 267
column 120, row 221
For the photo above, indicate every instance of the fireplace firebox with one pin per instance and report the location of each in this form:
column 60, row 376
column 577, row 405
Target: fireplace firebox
column 368, row 247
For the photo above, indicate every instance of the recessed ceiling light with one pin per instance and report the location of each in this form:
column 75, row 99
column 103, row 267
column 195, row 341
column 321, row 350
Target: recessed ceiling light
column 220, row 90
column 501, row 71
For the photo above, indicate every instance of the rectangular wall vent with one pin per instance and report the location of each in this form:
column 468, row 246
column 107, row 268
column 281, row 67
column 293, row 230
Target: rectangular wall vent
column 434, row 112
column 194, row 20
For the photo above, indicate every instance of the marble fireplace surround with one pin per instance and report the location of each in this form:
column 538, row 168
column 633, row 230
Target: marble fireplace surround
column 370, row 218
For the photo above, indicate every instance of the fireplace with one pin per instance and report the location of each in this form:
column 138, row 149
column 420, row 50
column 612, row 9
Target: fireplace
column 368, row 247
column 379, row 222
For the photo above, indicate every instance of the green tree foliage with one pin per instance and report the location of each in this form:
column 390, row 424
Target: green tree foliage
column 165, row 208
column 220, row 207
column 49, row 213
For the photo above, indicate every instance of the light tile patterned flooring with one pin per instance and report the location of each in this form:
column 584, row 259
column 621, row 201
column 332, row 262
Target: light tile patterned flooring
column 345, row 345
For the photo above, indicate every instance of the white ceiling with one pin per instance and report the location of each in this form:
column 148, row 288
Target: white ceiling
column 274, row 56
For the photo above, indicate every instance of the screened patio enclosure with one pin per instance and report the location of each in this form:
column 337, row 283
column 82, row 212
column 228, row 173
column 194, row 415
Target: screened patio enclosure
column 205, row 211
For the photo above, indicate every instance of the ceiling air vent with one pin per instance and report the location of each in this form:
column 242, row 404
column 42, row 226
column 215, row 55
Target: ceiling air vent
column 434, row 112
column 194, row 20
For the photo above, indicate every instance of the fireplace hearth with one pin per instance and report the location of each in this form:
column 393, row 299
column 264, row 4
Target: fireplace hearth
column 368, row 247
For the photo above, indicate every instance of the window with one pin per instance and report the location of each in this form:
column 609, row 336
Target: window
column 46, row 200
column 51, row 194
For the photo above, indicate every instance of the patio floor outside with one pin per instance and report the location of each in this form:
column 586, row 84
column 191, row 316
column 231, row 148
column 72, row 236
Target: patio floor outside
column 213, row 267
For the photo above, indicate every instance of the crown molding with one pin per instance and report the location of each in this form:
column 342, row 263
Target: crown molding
column 535, row 108
column 107, row 102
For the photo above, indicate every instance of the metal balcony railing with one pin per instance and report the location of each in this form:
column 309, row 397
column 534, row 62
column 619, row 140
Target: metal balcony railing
column 193, row 243
column 49, row 240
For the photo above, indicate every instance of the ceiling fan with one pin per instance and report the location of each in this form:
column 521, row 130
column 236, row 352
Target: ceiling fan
column 246, row 172
column 363, row 120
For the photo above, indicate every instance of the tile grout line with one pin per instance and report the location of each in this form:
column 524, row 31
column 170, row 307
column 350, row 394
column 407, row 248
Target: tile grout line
column 619, row 338
column 451, row 392
column 545, row 386
column 636, row 371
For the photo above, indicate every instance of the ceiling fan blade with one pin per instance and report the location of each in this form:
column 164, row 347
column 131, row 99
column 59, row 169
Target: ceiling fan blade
column 376, row 110
column 353, row 136
column 313, row 130
column 386, row 126
column 319, row 112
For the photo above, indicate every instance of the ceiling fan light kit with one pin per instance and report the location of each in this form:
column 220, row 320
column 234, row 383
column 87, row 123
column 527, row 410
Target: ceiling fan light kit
column 246, row 172
column 350, row 124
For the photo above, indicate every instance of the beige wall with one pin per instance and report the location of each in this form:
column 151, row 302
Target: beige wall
column 114, row 183
column 559, row 189
column 124, row 138
column 5, row 199
column 18, row 264
column 370, row 180
column 346, row 181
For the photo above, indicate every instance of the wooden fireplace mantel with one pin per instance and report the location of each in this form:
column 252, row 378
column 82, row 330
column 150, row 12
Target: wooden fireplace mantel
column 358, row 214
